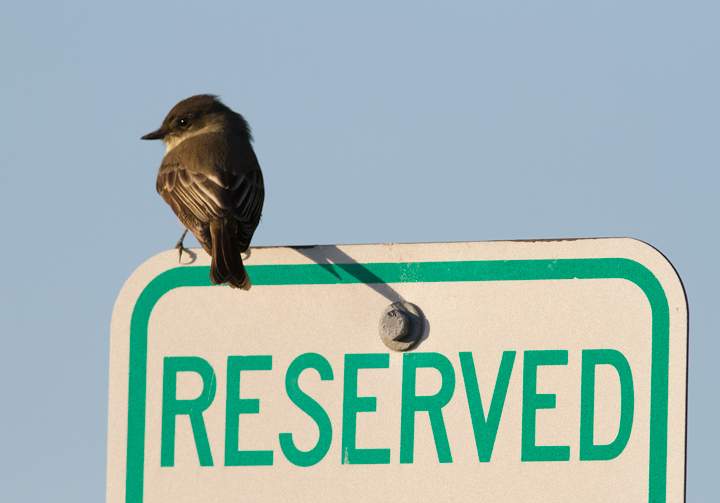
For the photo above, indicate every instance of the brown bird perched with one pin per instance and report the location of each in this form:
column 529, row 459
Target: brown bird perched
column 211, row 179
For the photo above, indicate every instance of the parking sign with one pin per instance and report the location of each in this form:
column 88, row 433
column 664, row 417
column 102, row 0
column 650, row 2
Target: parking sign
column 542, row 371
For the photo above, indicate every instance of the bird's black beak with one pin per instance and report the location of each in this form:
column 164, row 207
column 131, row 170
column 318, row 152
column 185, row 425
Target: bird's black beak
column 155, row 135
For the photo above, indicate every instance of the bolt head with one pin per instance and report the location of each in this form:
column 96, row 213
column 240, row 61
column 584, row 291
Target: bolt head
column 395, row 325
column 401, row 325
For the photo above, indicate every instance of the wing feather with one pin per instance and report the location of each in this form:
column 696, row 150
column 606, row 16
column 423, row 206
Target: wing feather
column 201, row 197
column 198, row 197
column 247, row 198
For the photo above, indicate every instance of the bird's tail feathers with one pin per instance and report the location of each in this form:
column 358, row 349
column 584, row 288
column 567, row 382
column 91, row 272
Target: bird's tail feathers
column 227, row 266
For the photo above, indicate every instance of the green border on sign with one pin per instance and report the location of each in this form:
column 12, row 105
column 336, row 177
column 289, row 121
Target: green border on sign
column 411, row 272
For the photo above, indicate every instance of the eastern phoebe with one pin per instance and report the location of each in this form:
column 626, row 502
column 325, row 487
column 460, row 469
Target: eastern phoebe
column 211, row 179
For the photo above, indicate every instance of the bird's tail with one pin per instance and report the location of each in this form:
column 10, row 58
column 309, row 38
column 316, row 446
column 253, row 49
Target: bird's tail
column 227, row 266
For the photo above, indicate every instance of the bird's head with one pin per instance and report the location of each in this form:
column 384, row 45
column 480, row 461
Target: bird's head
column 200, row 114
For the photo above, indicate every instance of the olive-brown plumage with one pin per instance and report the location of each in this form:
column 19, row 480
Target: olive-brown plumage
column 211, row 179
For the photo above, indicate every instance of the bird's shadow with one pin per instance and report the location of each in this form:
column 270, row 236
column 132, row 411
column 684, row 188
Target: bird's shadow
column 331, row 257
column 191, row 257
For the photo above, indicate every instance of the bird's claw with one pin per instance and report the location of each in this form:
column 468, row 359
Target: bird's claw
column 179, row 246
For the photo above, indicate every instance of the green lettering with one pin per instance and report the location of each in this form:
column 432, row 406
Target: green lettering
column 309, row 407
column 532, row 401
column 352, row 404
column 172, row 407
column 590, row 359
column 433, row 404
column 235, row 406
column 486, row 430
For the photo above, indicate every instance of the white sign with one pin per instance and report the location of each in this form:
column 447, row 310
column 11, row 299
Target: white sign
column 546, row 371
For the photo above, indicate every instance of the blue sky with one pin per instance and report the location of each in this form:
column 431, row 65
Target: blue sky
column 374, row 122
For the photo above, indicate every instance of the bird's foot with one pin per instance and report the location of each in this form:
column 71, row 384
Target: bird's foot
column 179, row 246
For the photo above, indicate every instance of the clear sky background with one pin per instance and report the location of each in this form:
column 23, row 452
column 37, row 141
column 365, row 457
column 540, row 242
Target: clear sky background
column 374, row 122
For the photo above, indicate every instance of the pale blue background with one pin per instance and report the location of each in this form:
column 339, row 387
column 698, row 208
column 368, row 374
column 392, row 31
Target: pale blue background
column 374, row 122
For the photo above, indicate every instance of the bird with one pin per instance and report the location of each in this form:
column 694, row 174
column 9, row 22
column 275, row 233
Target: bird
column 211, row 178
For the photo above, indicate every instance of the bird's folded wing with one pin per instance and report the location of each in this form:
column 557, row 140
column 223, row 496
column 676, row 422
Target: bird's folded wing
column 191, row 194
column 247, row 195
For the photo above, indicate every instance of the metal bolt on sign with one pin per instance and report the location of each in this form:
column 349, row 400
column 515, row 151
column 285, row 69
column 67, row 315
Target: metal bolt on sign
column 401, row 325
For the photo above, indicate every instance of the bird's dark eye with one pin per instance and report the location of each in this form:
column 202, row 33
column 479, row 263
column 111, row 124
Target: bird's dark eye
column 184, row 122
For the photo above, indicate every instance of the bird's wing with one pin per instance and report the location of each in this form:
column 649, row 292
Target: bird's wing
column 247, row 195
column 196, row 198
